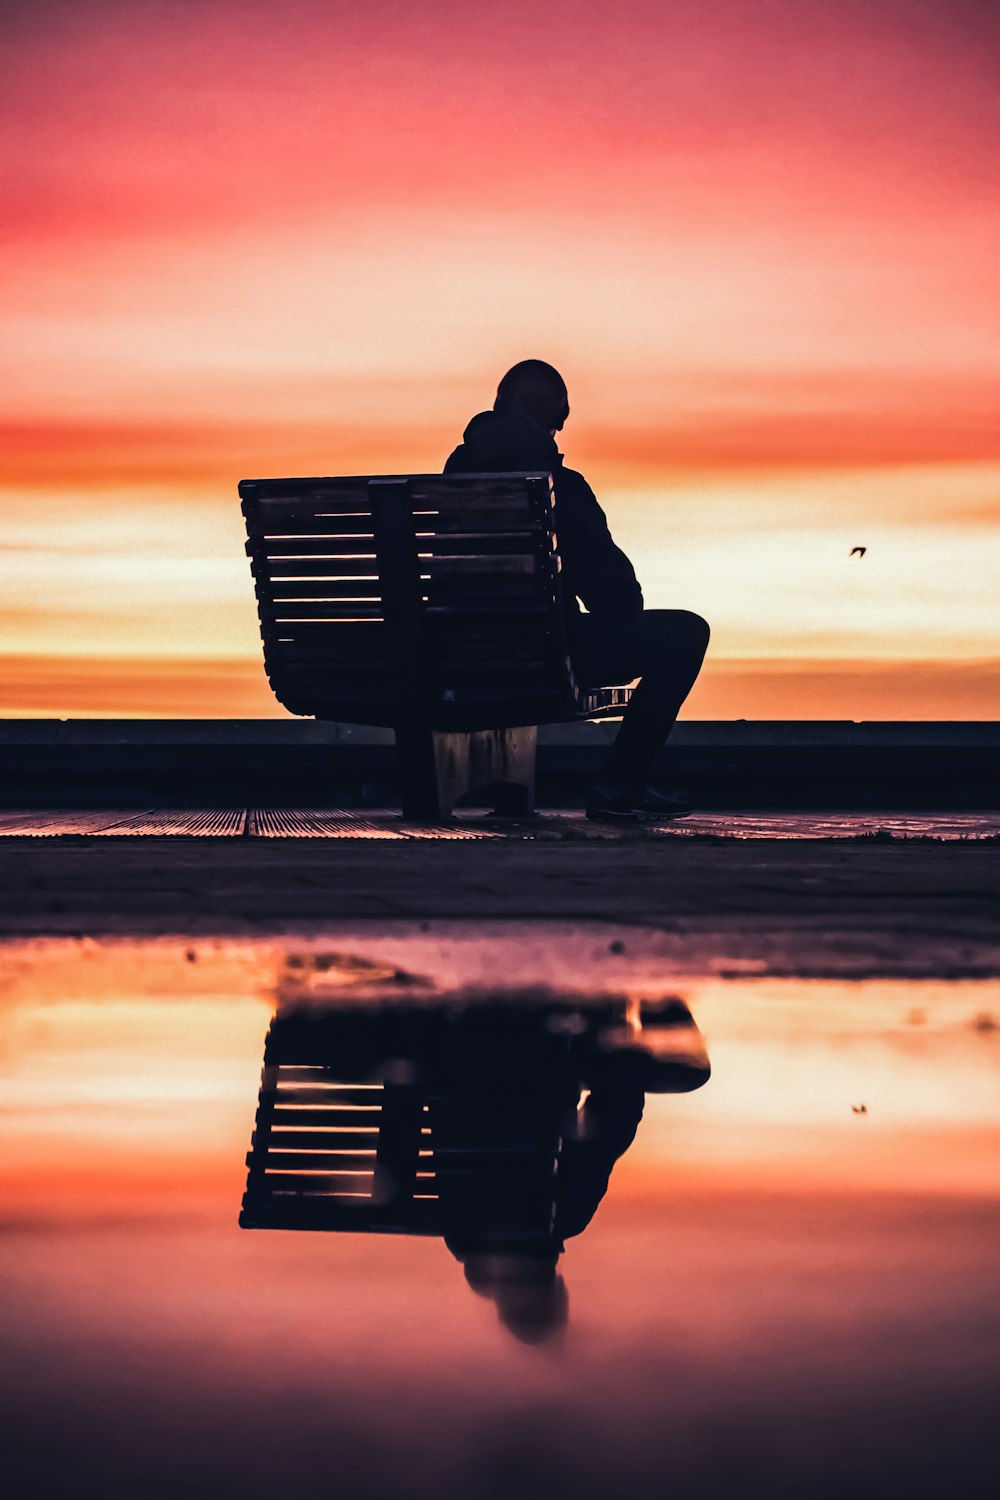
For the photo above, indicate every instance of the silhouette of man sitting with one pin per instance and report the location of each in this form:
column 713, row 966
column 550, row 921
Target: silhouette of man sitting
column 508, row 1250
column 617, row 639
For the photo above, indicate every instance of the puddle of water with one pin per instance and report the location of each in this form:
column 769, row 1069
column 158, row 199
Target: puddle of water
column 523, row 1216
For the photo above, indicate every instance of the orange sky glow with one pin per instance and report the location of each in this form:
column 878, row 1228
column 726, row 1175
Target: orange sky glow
column 759, row 240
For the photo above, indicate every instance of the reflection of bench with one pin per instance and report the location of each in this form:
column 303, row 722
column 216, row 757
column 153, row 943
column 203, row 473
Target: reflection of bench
column 392, row 1121
column 427, row 604
column 443, row 1118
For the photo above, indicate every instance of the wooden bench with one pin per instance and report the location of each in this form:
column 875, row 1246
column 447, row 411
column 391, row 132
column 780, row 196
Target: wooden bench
column 428, row 604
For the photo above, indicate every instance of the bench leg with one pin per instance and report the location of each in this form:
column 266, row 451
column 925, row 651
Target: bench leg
column 505, row 758
column 437, row 768
column 434, row 771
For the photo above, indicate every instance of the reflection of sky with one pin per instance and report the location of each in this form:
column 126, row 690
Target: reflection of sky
column 148, row 1063
column 760, row 240
column 766, row 1261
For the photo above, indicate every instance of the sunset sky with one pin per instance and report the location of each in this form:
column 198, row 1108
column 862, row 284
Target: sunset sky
column 759, row 237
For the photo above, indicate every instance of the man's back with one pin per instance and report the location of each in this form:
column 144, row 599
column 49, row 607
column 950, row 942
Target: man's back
column 595, row 570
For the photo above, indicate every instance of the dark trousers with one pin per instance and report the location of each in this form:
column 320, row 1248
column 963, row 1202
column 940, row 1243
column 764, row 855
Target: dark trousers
column 665, row 648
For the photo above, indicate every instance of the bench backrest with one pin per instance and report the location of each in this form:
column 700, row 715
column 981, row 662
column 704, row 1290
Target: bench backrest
column 413, row 1120
column 388, row 598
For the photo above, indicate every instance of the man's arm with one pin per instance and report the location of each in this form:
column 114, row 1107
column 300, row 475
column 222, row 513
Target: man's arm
column 596, row 569
column 605, row 1128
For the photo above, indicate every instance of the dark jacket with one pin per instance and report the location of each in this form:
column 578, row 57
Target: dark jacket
column 594, row 569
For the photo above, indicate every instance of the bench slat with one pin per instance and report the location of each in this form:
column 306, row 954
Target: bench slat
column 303, row 521
column 471, row 608
column 337, row 643
column 438, row 489
column 307, row 622
column 498, row 564
column 319, row 1182
column 320, row 1161
column 351, row 564
column 294, row 512
column 365, row 639
column 286, row 570
column 329, row 486
column 366, row 608
column 486, row 544
column 310, row 502
column 435, row 564
column 311, row 1140
column 338, row 1093
column 318, row 614
column 330, row 539
column 441, row 542
column 318, row 588
column 286, row 655
column 471, row 489
column 314, row 1094
column 336, row 483
column 332, row 593
column 361, row 1127
column 473, row 522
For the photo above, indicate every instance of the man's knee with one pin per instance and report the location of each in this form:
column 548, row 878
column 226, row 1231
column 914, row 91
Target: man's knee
column 681, row 630
column 698, row 632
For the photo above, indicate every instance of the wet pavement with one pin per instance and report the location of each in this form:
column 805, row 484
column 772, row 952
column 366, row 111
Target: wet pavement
column 853, row 908
column 528, row 1208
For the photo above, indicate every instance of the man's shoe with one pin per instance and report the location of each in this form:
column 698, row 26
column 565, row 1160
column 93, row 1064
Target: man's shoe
column 643, row 804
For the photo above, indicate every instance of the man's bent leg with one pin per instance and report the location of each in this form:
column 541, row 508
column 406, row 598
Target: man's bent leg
column 665, row 648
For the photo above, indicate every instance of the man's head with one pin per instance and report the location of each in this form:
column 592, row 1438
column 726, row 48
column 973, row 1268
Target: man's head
column 531, row 1298
column 536, row 390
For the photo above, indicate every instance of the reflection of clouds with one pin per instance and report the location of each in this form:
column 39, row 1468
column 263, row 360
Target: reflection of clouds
column 791, row 1061
column 793, row 1052
column 906, row 1082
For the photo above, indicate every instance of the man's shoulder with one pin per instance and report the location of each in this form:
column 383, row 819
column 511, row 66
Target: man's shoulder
column 572, row 486
column 498, row 443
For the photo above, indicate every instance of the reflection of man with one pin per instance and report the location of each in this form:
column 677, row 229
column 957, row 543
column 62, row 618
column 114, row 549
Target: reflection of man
column 493, row 1123
column 517, row 1269
column 617, row 640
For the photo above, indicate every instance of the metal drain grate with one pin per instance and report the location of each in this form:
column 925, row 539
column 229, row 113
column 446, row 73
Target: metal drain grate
column 341, row 823
column 203, row 822
column 316, row 823
column 60, row 822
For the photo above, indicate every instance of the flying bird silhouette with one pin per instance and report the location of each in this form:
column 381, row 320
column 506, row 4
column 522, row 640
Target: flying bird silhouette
column 858, row 551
